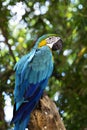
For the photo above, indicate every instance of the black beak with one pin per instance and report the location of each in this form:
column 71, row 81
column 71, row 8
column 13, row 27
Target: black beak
column 57, row 45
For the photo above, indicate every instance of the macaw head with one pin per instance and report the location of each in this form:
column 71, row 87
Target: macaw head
column 52, row 40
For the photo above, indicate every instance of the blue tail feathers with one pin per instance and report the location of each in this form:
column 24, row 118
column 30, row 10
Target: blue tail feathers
column 22, row 114
column 22, row 125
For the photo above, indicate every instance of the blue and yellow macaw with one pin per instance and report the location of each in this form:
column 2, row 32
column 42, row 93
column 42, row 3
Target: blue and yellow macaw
column 32, row 73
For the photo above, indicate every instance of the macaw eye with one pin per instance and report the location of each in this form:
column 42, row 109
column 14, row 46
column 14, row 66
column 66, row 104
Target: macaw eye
column 51, row 40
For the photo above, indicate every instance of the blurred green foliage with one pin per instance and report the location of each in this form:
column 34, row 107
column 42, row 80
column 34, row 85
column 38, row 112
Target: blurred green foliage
column 21, row 23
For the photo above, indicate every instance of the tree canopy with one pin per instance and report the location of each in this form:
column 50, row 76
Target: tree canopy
column 21, row 23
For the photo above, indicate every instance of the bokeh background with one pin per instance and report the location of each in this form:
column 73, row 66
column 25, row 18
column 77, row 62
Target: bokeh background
column 21, row 23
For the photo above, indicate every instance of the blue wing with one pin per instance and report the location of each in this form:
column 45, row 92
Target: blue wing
column 32, row 73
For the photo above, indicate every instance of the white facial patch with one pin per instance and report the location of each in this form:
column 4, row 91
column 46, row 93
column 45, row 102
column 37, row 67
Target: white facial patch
column 51, row 40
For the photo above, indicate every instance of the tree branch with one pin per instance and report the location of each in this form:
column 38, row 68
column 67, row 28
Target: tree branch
column 6, row 42
column 46, row 116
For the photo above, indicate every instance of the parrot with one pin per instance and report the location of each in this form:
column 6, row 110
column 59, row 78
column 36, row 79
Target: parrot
column 32, row 73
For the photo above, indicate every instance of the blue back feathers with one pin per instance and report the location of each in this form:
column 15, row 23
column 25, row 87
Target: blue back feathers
column 32, row 73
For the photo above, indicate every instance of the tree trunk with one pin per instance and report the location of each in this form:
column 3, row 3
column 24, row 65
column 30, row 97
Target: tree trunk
column 46, row 116
column 3, row 125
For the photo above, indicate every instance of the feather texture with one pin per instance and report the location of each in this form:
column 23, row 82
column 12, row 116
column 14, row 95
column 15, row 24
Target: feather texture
column 32, row 73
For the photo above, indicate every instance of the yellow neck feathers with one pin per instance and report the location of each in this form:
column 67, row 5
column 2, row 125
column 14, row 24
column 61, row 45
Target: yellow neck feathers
column 42, row 43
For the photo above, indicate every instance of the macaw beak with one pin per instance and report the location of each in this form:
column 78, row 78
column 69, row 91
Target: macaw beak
column 57, row 46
